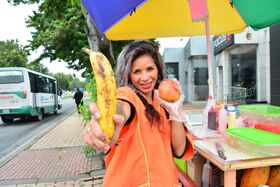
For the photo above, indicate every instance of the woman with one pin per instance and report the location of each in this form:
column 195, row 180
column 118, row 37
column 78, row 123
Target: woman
column 147, row 136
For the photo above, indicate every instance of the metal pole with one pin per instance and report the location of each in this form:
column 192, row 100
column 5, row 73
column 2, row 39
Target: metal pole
column 209, row 60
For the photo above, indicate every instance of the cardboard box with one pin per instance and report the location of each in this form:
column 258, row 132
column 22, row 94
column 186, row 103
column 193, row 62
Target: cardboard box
column 195, row 168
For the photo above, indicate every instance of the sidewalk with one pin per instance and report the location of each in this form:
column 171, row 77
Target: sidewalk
column 57, row 159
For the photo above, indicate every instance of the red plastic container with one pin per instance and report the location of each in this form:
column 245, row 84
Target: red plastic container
column 274, row 128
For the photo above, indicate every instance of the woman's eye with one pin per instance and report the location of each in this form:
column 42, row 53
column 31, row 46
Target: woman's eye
column 136, row 72
column 150, row 68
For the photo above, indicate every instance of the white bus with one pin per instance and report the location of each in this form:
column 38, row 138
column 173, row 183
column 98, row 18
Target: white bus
column 26, row 93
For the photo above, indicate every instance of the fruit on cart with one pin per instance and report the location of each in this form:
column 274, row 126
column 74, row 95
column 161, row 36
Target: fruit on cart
column 168, row 90
column 274, row 128
column 274, row 177
column 255, row 176
column 106, row 91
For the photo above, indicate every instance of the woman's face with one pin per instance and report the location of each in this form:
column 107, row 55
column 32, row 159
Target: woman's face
column 144, row 74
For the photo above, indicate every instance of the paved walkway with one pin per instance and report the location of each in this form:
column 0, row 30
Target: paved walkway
column 57, row 159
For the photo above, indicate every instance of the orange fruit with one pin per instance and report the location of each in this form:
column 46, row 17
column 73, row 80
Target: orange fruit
column 168, row 90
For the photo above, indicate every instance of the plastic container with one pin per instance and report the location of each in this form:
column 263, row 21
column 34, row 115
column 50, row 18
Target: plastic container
column 274, row 128
column 254, row 140
column 231, row 117
column 210, row 103
column 239, row 122
column 212, row 119
column 223, row 119
column 260, row 114
column 206, row 174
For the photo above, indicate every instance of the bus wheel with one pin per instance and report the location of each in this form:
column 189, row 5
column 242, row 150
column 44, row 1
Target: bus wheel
column 39, row 117
column 7, row 120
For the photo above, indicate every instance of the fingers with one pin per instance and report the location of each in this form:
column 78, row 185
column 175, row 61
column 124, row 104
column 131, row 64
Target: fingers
column 93, row 133
column 94, row 110
column 93, row 141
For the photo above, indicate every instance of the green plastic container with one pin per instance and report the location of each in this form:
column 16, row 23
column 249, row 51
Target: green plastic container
column 254, row 141
column 257, row 136
column 261, row 109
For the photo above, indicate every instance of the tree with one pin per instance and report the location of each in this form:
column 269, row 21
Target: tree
column 63, row 28
column 12, row 54
column 63, row 80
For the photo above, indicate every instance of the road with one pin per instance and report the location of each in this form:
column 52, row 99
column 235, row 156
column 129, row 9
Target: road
column 17, row 136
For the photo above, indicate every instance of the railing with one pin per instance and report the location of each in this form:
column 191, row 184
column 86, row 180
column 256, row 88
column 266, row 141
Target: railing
column 232, row 94
column 237, row 95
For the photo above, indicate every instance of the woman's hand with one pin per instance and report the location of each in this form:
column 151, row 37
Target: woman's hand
column 175, row 109
column 94, row 135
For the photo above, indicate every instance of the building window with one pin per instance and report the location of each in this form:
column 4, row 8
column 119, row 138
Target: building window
column 244, row 73
column 200, row 76
column 172, row 70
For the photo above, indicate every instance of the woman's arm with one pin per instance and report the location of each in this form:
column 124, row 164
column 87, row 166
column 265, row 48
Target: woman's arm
column 178, row 138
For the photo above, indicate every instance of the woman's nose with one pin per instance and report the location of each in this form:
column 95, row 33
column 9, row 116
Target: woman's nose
column 144, row 76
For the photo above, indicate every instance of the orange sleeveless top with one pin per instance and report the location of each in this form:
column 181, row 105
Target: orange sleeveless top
column 143, row 156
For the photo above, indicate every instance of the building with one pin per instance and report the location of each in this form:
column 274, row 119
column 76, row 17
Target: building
column 242, row 66
column 193, row 71
column 245, row 67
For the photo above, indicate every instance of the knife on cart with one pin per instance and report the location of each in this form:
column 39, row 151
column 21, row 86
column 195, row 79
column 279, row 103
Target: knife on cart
column 221, row 151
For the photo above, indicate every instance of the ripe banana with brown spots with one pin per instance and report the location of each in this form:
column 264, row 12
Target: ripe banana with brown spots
column 106, row 91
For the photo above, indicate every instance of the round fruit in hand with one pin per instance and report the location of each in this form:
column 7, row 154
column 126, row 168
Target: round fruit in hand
column 168, row 90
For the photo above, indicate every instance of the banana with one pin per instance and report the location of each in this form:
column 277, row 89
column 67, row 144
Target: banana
column 106, row 91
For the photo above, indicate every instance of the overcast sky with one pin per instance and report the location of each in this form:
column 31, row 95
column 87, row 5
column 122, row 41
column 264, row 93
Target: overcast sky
column 12, row 26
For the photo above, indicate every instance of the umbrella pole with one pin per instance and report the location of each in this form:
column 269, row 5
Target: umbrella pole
column 209, row 60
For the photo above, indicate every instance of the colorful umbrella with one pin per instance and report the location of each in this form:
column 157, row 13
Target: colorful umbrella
column 258, row 14
column 143, row 19
column 131, row 19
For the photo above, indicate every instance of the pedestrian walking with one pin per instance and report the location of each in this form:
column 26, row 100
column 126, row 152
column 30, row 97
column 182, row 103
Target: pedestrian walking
column 78, row 96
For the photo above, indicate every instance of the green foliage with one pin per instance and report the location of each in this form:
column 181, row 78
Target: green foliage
column 37, row 66
column 84, row 109
column 63, row 80
column 12, row 54
column 60, row 29
column 88, row 150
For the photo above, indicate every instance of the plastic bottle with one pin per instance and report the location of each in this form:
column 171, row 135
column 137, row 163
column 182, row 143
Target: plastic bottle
column 208, row 106
column 239, row 122
column 206, row 174
column 231, row 117
column 218, row 107
column 212, row 119
column 223, row 120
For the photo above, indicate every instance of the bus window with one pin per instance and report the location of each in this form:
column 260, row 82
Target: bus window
column 52, row 86
column 33, row 85
column 8, row 77
column 41, row 84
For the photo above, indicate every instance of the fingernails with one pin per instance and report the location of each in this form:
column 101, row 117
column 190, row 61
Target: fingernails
column 106, row 148
column 96, row 115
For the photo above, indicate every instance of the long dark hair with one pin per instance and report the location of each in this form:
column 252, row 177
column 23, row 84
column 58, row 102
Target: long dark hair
column 129, row 54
